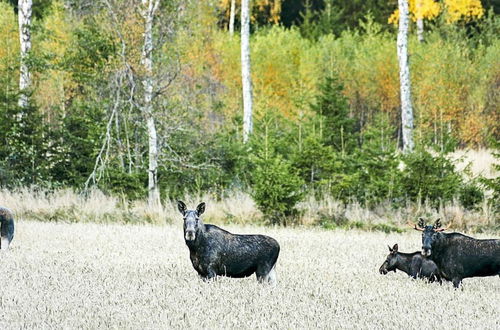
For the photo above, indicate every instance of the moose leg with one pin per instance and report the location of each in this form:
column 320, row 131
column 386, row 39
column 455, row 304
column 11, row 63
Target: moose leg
column 210, row 274
column 456, row 282
column 415, row 268
column 266, row 275
column 4, row 243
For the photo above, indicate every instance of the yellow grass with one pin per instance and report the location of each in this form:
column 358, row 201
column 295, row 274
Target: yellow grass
column 237, row 208
column 129, row 276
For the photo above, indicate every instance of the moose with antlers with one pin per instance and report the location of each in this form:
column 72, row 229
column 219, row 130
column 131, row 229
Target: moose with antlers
column 459, row 256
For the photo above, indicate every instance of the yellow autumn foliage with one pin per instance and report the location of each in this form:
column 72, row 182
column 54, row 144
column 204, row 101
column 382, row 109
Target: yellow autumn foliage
column 9, row 41
column 455, row 10
column 53, row 86
column 463, row 10
column 419, row 9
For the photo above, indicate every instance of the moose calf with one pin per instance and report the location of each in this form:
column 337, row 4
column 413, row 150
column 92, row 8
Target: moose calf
column 413, row 264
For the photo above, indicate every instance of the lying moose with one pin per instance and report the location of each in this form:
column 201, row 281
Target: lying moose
column 6, row 228
column 413, row 264
column 214, row 251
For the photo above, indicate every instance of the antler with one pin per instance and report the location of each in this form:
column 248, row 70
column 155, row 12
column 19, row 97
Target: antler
column 438, row 222
column 420, row 225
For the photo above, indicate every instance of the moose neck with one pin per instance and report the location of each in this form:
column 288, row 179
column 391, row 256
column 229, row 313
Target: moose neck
column 442, row 240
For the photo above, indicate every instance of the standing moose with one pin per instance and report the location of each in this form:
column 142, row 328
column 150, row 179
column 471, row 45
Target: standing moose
column 6, row 228
column 214, row 251
column 413, row 264
column 459, row 256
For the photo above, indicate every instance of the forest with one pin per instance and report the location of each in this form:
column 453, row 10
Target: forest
column 326, row 104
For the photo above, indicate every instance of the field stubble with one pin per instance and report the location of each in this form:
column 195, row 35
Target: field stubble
column 129, row 276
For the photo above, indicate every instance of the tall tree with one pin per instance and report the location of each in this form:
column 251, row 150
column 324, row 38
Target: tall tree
column 245, row 69
column 148, row 10
column 24, row 16
column 420, row 21
column 232, row 14
column 404, row 77
column 418, row 11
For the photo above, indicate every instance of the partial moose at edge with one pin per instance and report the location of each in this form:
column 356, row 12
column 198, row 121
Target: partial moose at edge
column 6, row 228
column 215, row 251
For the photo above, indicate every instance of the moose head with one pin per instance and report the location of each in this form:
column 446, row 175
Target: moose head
column 192, row 222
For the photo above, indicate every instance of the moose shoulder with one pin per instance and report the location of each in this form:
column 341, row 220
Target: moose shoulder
column 459, row 256
column 215, row 251
column 413, row 264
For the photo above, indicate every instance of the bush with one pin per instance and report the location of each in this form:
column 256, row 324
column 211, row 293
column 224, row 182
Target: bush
column 428, row 177
column 470, row 195
column 276, row 189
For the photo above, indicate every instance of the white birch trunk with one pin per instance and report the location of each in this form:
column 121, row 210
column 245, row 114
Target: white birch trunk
column 24, row 16
column 148, row 11
column 420, row 29
column 245, row 69
column 420, row 22
column 232, row 14
column 404, row 77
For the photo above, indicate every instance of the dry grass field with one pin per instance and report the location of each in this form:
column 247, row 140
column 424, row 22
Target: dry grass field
column 139, row 276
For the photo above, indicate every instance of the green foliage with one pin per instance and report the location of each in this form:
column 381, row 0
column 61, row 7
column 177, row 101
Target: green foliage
column 23, row 145
column 336, row 127
column 276, row 186
column 429, row 177
column 75, row 144
column 470, row 195
column 493, row 184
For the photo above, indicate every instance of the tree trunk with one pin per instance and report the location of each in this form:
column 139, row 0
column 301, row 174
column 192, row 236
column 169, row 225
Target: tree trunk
column 24, row 17
column 420, row 29
column 231, row 17
column 404, row 77
column 148, row 11
column 245, row 69
column 420, row 21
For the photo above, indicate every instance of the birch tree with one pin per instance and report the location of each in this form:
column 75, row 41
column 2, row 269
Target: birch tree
column 245, row 70
column 24, row 17
column 404, row 77
column 232, row 14
column 420, row 21
column 148, row 10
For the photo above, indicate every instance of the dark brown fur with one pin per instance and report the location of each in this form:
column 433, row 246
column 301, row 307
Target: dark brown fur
column 6, row 227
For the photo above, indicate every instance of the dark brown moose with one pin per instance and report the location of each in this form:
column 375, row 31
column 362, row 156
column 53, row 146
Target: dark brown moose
column 214, row 251
column 458, row 256
column 6, row 228
column 413, row 264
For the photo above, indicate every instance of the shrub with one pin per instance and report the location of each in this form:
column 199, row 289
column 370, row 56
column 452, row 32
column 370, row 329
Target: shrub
column 428, row 177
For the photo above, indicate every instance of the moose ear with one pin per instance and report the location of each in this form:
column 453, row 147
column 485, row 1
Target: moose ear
column 200, row 208
column 395, row 248
column 182, row 207
column 390, row 250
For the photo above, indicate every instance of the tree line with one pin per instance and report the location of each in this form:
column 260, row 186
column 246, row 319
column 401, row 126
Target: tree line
column 149, row 98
